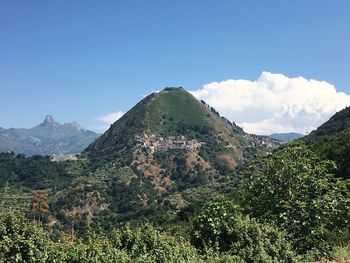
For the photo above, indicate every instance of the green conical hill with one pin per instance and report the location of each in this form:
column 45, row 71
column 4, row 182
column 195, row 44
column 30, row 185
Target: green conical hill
column 170, row 112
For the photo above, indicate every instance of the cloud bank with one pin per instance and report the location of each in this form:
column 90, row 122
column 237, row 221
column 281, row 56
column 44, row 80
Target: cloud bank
column 274, row 102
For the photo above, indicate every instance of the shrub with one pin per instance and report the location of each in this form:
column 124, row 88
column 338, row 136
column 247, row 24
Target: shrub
column 221, row 226
column 22, row 241
column 94, row 248
column 145, row 244
column 297, row 191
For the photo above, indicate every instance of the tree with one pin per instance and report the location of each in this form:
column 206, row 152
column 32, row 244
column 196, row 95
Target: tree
column 221, row 226
column 336, row 148
column 39, row 205
column 22, row 241
column 297, row 190
column 3, row 195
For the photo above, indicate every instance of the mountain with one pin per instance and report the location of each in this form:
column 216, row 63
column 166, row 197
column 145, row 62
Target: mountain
column 286, row 137
column 165, row 157
column 168, row 152
column 332, row 141
column 47, row 138
column 170, row 115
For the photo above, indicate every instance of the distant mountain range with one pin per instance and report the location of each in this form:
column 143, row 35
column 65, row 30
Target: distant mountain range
column 47, row 138
column 286, row 137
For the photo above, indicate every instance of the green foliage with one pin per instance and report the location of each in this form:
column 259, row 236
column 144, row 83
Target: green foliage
column 295, row 189
column 332, row 141
column 35, row 172
column 337, row 149
column 94, row 248
column 221, row 226
column 145, row 244
column 341, row 252
column 184, row 114
column 21, row 241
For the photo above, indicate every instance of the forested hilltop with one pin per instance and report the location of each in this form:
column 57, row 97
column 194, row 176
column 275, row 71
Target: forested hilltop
column 173, row 181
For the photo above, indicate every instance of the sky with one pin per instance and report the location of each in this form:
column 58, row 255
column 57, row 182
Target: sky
column 268, row 65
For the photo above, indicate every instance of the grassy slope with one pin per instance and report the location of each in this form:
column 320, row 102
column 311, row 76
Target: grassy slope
column 172, row 106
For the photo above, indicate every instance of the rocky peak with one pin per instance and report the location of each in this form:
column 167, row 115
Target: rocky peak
column 49, row 121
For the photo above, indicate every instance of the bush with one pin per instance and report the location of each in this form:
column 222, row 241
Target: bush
column 341, row 252
column 21, row 241
column 24, row 241
column 221, row 226
column 297, row 191
column 149, row 245
column 94, row 248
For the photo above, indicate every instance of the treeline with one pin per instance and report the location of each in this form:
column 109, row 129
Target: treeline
column 35, row 172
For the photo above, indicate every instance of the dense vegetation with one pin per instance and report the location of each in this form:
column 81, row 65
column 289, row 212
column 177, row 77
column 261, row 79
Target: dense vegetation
column 32, row 173
column 336, row 148
column 291, row 206
column 331, row 141
column 297, row 191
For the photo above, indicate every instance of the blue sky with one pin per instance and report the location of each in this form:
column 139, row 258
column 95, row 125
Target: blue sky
column 80, row 60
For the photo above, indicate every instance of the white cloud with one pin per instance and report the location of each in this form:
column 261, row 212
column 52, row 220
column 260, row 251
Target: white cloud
column 274, row 102
column 108, row 119
column 111, row 117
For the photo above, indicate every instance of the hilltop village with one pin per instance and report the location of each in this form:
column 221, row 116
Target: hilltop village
column 154, row 143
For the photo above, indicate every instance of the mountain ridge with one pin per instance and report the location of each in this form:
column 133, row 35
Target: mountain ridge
column 286, row 137
column 47, row 138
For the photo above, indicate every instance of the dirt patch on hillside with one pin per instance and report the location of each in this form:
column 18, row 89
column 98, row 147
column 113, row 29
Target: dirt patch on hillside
column 193, row 159
column 227, row 161
column 150, row 168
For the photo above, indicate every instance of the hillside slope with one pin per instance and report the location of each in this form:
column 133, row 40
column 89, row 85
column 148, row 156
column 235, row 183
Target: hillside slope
column 332, row 141
column 170, row 150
